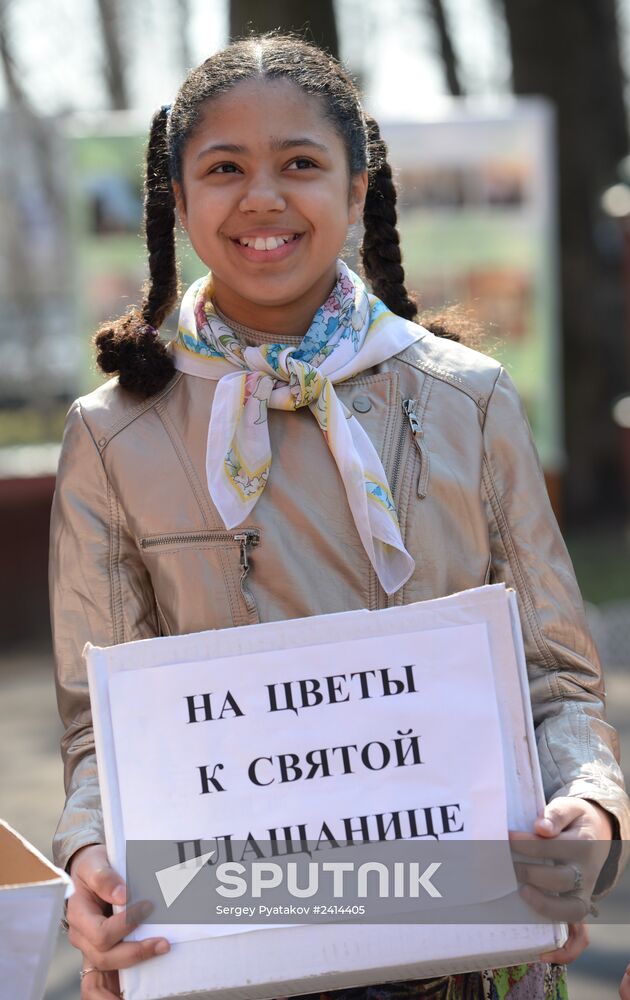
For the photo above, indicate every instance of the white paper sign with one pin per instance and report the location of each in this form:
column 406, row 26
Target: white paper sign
column 273, row 713
column 299, row 959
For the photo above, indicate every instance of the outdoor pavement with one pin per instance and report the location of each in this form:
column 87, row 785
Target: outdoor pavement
column 32, row 796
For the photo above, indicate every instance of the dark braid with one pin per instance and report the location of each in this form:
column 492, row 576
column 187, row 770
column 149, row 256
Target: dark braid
column 380, row 250
column 131, row 346
column 159, row 215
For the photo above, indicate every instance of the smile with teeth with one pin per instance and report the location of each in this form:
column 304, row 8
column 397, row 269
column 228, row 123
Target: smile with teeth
column 266, row 242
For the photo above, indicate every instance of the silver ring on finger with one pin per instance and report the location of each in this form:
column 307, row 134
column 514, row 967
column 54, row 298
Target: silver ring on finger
column 84, row 972
column 577, row 884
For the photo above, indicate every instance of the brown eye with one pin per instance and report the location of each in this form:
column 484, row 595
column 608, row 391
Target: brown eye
column 301, row 163
column 224, row 168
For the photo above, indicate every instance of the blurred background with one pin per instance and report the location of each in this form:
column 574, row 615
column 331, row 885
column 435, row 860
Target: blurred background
column 508, row 127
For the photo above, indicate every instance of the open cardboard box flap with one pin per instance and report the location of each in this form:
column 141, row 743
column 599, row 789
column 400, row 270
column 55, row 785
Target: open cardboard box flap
column 32, row 893
column 21, row 863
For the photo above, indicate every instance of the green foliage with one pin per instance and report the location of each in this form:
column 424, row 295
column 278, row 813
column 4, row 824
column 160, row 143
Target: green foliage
column 602, row 563
column 30, row 426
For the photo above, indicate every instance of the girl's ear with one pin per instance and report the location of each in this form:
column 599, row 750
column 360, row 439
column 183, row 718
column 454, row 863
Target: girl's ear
column 180, row 204
column 358, row 192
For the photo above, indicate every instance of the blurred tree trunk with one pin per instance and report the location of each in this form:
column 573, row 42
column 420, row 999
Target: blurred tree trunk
column 25, row 116
column 569, row 52
column 115, row 75
column 182, row 8
column 12, row 83
column 314, row 18
column 32, row 154
column 448, row 55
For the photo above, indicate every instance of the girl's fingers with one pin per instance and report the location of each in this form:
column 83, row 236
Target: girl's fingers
column 98, row 993
column 550, row 878
column 570, row 908
column 100, row 937
column 564, row 847
column 121, row 956
column 113, row 929
column 557, row 815
column 87, row 917
column 585, row 819
column 624, row 989
column 572, row 949
column 102, row 880
column 100, row 986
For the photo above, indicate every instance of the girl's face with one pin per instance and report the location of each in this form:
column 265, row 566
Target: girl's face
column 266, row 198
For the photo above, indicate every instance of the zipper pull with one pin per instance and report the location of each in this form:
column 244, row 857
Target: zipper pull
column 245, row 539
column 409, row 408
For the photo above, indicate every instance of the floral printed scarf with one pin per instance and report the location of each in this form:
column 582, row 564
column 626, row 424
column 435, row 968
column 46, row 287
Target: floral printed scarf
column 351, row 332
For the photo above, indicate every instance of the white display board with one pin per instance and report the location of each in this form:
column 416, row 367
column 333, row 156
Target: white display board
column 245, row 705
column 478, row 219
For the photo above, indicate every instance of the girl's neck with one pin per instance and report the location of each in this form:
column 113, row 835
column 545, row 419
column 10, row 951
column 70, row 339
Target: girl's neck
column 252, row 337
column 291, row 319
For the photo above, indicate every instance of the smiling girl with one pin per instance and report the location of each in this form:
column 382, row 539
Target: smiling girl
column 402, row 470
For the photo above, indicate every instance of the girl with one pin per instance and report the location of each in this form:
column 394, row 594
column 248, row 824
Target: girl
column 402, row 464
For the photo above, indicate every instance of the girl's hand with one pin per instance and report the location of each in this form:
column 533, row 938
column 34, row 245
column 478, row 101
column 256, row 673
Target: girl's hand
column 575, row 944
column 624, row 988
column 574, row 834
column 98, row 934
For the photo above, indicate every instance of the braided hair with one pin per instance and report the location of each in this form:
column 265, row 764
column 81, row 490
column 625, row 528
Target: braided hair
column 131, row 345
column 380, row 250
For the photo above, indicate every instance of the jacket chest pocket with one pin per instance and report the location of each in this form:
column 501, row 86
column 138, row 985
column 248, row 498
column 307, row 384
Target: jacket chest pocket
column 200, row 578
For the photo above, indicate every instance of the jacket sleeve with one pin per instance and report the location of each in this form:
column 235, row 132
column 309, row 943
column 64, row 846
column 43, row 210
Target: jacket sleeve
column 99, row 592
column 577, row 748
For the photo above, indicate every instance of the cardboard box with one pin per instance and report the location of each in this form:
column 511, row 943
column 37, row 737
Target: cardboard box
column 289, row 960
column 32, row 893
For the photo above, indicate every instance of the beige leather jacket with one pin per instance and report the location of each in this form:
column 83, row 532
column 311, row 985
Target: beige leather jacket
column 138, row 550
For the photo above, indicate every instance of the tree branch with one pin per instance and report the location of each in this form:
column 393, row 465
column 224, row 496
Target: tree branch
column 115, row 76
column 447, row 50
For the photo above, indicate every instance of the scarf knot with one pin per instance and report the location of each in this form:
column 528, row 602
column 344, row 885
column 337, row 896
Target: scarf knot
column 305, row 383
column 351, row 332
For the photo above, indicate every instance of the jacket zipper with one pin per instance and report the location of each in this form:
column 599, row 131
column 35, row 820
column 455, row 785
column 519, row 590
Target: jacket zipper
column 197, row 538
column 409, row 410
column 409, row 407
column 246, row 539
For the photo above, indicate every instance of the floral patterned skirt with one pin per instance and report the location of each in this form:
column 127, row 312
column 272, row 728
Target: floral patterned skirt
column 539, row 981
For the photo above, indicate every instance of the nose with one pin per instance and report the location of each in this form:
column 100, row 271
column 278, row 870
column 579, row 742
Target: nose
column 263, row 193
